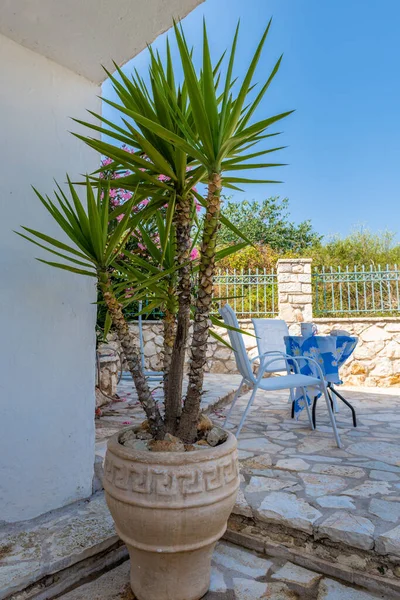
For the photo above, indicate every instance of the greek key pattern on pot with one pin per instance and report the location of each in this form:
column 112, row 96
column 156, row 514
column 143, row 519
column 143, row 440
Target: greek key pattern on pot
column 165, row 481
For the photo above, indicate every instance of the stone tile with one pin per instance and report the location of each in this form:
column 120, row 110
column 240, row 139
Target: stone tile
column 335, row 502
column 348, row 528
column 388, row 511
column 266, row 484
column 247, row 589
column 263, row 461
column 292, row 464
column 259, row 444
column 380, row 466
column 321, row 485
column 389, row 542
column 82, row 535
column 243, row 454
column 340, row 470
column 312, row 444
column 242, row 507
column 14, row 577
column 280, row 591
column 241, row 561
column 321, row 459
column 217, row 581
column 284, row 508
column 330, row 589
column 113, row 585
column 390, row 453
column 383, row 476
column 291, row 573
column 369, row 488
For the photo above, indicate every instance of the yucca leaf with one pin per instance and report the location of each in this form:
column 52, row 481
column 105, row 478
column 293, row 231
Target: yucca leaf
column 261, row 94
column 243, row 180
column 195, row 94
column 244, row 90
column 168, row 224
column 94, row 223
column 69, row 258
column 225, row 100
column 68, row 268
column 239, row 167
column 162, row 132
column 209, row 89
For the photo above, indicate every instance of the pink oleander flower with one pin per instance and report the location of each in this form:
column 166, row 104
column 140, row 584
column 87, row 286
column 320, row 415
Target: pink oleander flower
column 113, row 193
column 120, row 217
column 126, row 195
column 144, row 202
column 194, row 254
column 163, row 178
column 106, row 161
column 141, row 246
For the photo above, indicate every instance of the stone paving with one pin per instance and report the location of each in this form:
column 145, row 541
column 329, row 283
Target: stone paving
column 298, row 478
column 237, row 574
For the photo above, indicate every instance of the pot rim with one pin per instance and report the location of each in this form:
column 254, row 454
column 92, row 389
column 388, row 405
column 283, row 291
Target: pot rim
column 170, row 458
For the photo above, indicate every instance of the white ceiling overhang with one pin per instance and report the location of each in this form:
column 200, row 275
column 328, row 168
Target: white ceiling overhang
column 82, row 35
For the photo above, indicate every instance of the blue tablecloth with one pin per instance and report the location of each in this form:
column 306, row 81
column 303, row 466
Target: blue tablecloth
column 329, row 351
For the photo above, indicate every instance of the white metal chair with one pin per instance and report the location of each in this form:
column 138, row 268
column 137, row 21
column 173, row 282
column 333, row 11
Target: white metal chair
column 289, row 381
column 270, row 335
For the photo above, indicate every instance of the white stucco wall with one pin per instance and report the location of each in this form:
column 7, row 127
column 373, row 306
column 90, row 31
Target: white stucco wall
column 46, row 316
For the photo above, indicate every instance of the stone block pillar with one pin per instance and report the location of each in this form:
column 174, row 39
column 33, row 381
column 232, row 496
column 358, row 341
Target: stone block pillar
column 294, row 290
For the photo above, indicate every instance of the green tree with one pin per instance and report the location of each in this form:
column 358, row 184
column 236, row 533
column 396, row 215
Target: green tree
column 268, row 223
column 360, row 247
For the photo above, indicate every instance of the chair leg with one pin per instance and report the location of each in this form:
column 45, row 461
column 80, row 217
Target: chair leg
column 292, row 410
column 314, row 411
column 250, row 402
column 346, row 402
column 236, row 396
column 331, row 415
column 308, row 408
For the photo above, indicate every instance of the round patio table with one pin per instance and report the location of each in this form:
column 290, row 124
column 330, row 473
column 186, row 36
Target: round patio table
column 330, row 352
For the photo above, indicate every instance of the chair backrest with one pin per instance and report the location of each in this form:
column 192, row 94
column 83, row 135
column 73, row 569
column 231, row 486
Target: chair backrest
column 236, row 340
column 270, row 337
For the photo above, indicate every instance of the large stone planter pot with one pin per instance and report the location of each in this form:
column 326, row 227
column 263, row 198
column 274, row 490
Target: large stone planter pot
column 170, row 509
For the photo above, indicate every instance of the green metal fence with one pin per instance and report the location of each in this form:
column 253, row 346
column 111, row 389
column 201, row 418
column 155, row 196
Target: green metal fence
column 360, row 290
column 250, row 293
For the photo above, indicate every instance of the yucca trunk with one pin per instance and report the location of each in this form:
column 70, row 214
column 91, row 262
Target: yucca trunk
column 169, row 325
column 132, row 358
column 190, row 414
column 173, row 404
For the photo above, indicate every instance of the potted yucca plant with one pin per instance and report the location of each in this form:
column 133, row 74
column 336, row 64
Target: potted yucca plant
column 170, row 484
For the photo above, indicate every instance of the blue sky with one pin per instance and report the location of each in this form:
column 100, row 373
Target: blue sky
column 341, row 73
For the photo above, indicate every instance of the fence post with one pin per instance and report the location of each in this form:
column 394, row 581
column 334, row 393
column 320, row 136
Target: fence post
column 294, row 290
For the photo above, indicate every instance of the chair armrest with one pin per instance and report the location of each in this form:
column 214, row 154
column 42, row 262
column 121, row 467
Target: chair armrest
column 261, row 356
column 312, row 360
column 282, row 355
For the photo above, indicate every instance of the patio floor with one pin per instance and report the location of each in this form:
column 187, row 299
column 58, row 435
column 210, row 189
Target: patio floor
column 237, row 574
column 298, row 478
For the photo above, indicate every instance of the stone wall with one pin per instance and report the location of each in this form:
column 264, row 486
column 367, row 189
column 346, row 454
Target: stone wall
column 375, row 362
column 107, row 370
column 376, row 359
